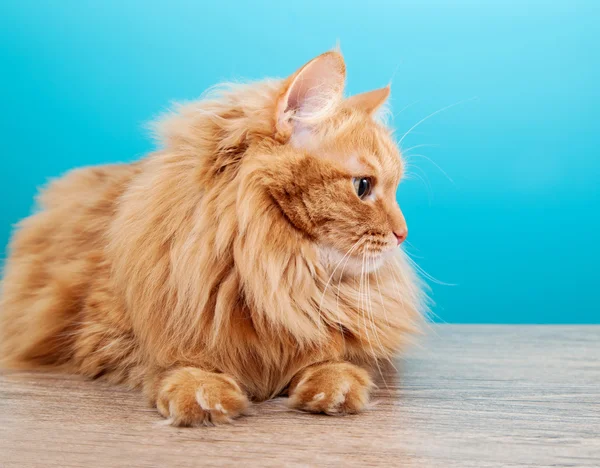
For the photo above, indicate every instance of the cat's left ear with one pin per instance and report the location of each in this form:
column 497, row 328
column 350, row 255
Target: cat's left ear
column 370, row 101
column 312, row 93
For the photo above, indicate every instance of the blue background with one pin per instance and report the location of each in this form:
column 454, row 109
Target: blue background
column 516, row 231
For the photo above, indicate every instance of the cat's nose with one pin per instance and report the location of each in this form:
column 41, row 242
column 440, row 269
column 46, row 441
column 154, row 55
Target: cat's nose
column 401, row 235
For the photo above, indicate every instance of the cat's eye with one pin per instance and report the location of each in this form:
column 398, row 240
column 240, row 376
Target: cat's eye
column 362, row 186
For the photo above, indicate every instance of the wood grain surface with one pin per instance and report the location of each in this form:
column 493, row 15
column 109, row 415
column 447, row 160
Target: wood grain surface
column 466, row 396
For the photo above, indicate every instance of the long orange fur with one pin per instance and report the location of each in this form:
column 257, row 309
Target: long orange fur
column 236, row 263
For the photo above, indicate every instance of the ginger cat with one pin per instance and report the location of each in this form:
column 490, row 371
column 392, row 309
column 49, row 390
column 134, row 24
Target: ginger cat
column 255, row 254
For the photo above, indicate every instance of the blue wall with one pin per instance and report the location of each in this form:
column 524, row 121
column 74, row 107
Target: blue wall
column 515, row 230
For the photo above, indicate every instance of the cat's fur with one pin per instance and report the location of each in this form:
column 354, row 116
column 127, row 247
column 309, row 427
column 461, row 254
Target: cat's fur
column 237, row 262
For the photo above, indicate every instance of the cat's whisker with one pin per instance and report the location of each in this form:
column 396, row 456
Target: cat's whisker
column 346, row 256
column 337, row 299
column 411, row 290
column 381, row 297
column 373, row 326
column 424, row 145
column 410, row 165
column 426, row 183
column 363, row 309
column 431, row 115
column 408, row 284
column 405, row 107
column 340, row 282
column 412, row 255
column 397, row 285
column 427, row 275
column 434, row 163
column 369, row 304
column 411, row 245
column 396, row 282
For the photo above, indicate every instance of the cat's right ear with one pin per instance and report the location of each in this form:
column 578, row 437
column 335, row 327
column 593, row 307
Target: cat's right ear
column 310, row 94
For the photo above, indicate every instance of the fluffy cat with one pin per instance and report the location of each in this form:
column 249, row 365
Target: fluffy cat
column 255, row 254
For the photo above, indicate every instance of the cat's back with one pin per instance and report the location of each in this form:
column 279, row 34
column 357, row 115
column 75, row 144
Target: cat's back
column 84, row 187
column 53, row 256
column 73, row 212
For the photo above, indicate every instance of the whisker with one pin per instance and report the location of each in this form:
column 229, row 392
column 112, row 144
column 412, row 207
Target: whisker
column 381, row 297
column 427, row 275
column 405, row 151
column 426, row 183
column 402, row 279
column 432, row 162
column 363, row 310
column 431, row 115
column 335, row 269
column 337, row 299
column 396, row 283
column 404, row 108
column 347, row 257
column 405, row 248
column 371, row 316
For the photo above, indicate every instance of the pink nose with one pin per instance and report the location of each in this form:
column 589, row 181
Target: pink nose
column 401, row 235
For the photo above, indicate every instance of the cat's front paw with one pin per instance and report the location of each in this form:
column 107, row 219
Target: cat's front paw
column 193, row 397
column 331, row 388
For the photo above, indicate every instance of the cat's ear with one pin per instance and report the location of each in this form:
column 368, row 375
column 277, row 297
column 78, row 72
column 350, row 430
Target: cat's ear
column 311, row 93
column 370, row 101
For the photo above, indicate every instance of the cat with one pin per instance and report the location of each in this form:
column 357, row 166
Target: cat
column 255, row 254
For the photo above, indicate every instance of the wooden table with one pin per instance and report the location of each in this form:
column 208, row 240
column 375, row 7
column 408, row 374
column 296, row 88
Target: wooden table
column 466, row 396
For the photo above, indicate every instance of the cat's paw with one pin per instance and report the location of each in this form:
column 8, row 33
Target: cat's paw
column 331, row 388
column 193, row 397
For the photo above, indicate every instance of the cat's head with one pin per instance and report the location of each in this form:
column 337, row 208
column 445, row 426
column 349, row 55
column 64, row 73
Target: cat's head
column 338, row 169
